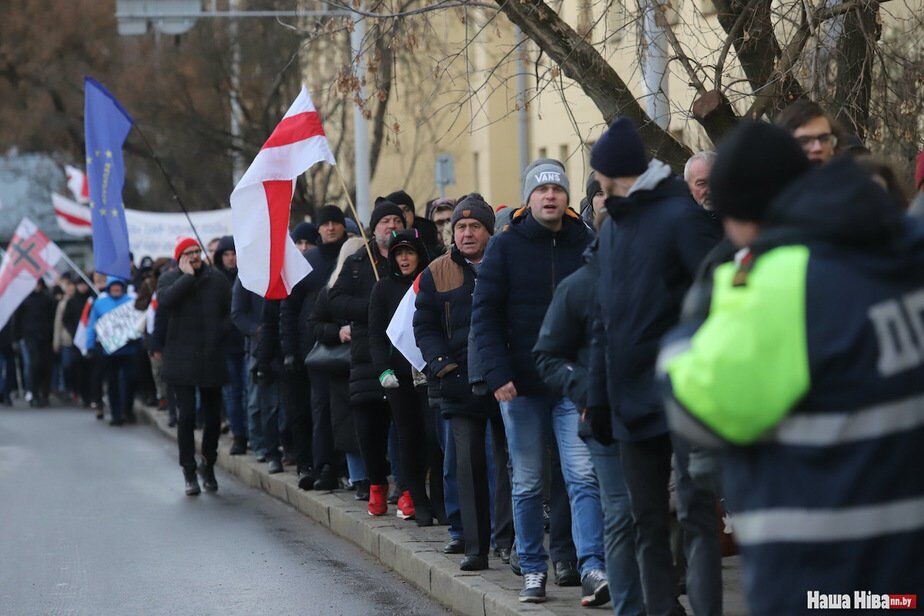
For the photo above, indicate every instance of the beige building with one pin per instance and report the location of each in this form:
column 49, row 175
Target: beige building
column 455, row 92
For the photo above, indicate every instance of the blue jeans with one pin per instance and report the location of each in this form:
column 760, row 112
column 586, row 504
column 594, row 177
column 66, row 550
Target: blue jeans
column 263, row 413
column 618, row 530
column 530, row 421
column 450, row 486
column 235, row 393
column 355, row 467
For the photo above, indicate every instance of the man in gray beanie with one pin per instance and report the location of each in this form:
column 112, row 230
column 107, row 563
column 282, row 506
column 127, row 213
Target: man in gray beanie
column 543, row 243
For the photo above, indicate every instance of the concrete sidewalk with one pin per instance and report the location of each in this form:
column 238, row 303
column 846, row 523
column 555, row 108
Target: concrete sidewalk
column 416, row 553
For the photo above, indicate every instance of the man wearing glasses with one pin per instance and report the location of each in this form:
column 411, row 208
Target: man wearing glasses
column 197, row 299
column 812, row 128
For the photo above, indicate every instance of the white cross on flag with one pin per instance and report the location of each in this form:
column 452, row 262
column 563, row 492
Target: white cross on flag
column 30, row 256
column 268, row 262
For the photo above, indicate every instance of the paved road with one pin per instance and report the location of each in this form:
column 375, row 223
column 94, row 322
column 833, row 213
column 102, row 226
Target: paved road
column 93, row 520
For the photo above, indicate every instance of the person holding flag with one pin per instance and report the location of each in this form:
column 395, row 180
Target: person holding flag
column 117, row 364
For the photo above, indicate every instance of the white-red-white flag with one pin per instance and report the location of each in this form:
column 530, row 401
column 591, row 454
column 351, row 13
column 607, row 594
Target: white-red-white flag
column 77, row 184
column 72, row 218
column 400, row 329
column 268, row 263
column 80, row 334
column 30, row 256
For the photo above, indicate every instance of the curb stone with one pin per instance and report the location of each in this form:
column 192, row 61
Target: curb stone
column 413, row 553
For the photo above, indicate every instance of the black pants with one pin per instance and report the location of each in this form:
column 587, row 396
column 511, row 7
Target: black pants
column 408, row 413
column 646, row 465
column 295, row 397
column 372, row 422
column 186, row 423
column 120, row 385
column 40, row 360
column 434, row 454
column 97, row 375
column 322, row 431
column 469, row 431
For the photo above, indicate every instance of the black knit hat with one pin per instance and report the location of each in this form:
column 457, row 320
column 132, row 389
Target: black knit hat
column 593, row 187
column 755, row 162
column 306, row 231
column 474, row 206
column 330, row 213
column 399, row 197
column 383, row 208
column 619, row 152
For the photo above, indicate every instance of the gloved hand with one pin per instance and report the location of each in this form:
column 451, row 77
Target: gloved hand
column 388, row 379
column 601, row 424
column 288, row 364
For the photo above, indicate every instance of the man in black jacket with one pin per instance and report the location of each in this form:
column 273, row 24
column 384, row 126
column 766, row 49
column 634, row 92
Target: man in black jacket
column 235, row 392
column 312, row 435
column 197, row 298
column 425, row 227
column 33, row 323
column 441, row 327
column 349, row 301
column 651, row 246
column 522, row 266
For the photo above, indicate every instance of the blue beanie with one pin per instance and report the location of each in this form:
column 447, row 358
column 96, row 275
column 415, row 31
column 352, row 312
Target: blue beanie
column 306, row 231
column 619, row 152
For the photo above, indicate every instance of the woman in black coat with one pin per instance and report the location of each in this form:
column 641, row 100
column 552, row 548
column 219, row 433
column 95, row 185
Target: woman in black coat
column 407, row 257
column 330, row 396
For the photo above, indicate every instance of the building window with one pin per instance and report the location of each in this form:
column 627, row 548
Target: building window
column 563, row 156
column 543, row 153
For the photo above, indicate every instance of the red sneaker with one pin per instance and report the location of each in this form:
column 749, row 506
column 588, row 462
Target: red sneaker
column 406, row 506
column 378, row 505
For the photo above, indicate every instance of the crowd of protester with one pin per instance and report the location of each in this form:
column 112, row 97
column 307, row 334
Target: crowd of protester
column 544, row 407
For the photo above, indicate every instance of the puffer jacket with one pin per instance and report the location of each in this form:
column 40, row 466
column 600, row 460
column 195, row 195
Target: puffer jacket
column 197, row 308
column 442, row 322
column 349, row 301
column 516, row 280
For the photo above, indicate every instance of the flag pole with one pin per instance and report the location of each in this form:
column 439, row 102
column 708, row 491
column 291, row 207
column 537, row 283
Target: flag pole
column 79, row 273
column 176, row 195
column 359, row 223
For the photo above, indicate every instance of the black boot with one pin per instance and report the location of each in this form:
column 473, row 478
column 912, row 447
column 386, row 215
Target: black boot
column 192, row 483
column 306, row 478
column 207, row 472
column 327, row 479
column 362, row 490
column 238, row 447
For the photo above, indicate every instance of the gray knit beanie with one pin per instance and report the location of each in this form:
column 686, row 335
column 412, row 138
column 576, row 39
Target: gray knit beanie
column 544, row 171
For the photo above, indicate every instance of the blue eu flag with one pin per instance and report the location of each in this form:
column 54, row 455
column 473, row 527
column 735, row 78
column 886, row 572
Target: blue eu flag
column 106, row 125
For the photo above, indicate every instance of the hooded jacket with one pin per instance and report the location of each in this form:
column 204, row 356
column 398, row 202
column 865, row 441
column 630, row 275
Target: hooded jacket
column 296, row 334
column 809, row 374
column 234, row 342
column 106, row 303
column 522, row 266
column 386, row 295
column 651, row 246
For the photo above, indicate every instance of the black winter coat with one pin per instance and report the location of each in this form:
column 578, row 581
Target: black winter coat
column 386, row 295
column 73, row 309
column 247, row 316
column 198, row 307
column 349, row 301
column 651, row 246
column 234, row 342
column 34, row 320
column 521, row 269
column 442, row 323
column 296, row 334
column 562, row 350
column 324, row 327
